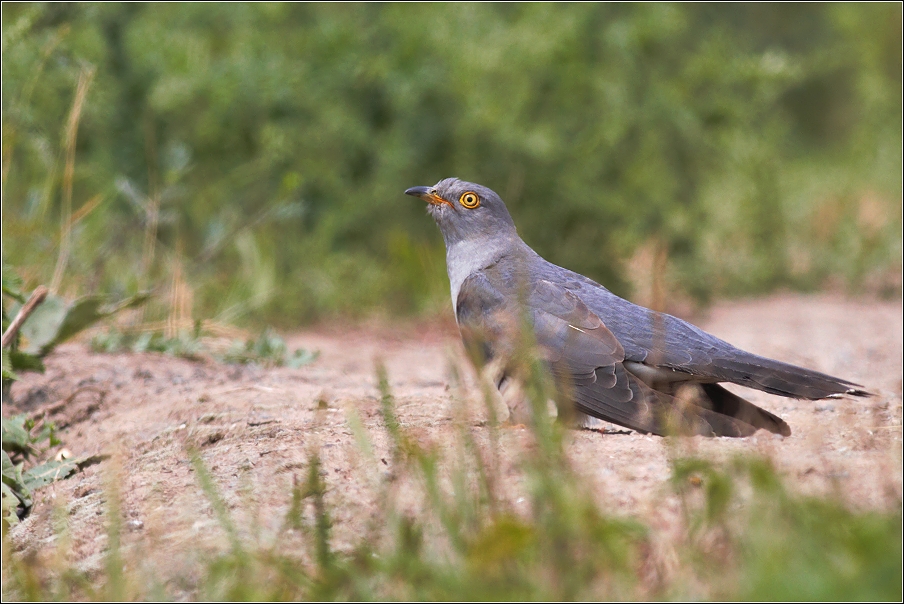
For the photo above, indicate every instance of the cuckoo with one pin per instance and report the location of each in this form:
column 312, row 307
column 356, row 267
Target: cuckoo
column 610, row 359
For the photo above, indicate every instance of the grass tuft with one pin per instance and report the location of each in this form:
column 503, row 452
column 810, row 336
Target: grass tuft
column 443, row 529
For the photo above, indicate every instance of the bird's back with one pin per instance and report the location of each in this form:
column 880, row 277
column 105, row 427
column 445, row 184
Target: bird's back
column 660, row 340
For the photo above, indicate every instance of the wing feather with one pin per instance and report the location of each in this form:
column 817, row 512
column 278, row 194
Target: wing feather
column 584, row 356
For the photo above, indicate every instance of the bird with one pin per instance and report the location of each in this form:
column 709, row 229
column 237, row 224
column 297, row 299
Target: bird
column 609, row 358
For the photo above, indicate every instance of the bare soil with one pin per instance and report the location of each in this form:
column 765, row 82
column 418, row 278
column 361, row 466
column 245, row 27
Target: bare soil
column 256, row 427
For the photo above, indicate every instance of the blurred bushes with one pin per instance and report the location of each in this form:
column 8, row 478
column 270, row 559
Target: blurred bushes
column 266, row 147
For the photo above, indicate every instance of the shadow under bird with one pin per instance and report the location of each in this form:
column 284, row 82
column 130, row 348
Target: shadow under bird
column 613, row 360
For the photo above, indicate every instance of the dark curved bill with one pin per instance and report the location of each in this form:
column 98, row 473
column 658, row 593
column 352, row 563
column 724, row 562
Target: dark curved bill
column 427, row 195
column 418, row 191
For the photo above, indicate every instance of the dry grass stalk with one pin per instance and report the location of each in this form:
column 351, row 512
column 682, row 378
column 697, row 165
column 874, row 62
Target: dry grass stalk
column 181, row 298
column 152, row 203
column 81, row 92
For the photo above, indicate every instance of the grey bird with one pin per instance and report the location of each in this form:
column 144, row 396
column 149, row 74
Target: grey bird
column 612, row 359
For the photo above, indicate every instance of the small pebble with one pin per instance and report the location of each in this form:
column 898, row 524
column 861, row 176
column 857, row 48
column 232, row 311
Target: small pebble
column 134, row 525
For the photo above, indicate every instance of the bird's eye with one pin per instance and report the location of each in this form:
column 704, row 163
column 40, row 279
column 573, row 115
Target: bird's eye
column 469, row 200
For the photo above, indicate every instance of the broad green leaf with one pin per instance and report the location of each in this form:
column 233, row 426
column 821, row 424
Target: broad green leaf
column 10, row 471
column 55, row 321
column 42, row 325
column 9, row 503
column 8, row 373
column 88, row 310
column 80, row 314
column 23, row 361
column 51, row 471
column 13, row 478
column 15, row 435
column 12, row 284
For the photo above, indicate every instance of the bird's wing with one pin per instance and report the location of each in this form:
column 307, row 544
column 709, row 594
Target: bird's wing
column 587, row 359
column 661, row 341
column 583, row 354
column 588, row 362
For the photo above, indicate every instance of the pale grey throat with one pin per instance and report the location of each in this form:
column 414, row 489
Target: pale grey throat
column 465, row 257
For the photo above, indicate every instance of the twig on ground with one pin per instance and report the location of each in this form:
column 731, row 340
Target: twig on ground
column 34, row 300
column 57, row 406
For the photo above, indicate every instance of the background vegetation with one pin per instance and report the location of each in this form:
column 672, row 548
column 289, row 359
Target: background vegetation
column 250, row 159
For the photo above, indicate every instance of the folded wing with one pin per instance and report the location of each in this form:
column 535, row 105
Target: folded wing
column 585, row 357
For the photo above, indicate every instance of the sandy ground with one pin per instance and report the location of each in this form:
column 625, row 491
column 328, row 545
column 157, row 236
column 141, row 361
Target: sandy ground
column 255, row 427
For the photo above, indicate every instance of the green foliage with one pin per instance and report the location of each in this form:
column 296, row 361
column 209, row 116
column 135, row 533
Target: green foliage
column 13, row 359
column 184, row 344
column 51, row 323
column 56, row 320
column 267, row 146
column 267, row 350
column 18, row 439
column 15, row 496
column 22, row 439
column 12, row 287
column 787, row 547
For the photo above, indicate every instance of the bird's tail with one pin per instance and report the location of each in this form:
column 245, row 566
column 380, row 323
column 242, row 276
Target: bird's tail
column 702, row 409
column 723, row 402
column 782, row 379
column 710, row 410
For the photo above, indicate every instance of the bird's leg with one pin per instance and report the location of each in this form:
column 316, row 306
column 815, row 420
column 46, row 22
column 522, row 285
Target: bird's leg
column 582, row 421
column 566, row 413
column 508, row 390
column 520, row 409
column 512, row 392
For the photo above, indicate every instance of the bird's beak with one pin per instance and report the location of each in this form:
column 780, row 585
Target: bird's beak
column 427, row 194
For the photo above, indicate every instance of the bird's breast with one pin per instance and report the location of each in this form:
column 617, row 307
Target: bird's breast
column 465, row 258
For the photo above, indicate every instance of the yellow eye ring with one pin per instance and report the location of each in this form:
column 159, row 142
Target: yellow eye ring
column 469, row 200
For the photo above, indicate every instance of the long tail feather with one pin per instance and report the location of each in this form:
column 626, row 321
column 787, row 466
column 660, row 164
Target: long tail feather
column 783, row 379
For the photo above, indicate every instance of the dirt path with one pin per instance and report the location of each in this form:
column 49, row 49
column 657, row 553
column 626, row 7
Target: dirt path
column 255, row 427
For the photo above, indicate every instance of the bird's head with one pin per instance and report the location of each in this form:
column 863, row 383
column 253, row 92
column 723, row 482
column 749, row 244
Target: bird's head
column 466, row 211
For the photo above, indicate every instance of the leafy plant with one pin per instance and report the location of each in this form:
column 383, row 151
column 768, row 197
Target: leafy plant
column 13, row 358
column 268, row 349
column 57, row 320
column 23, row 439
column 184, row 344
column 751, row 538
column 50, row 323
